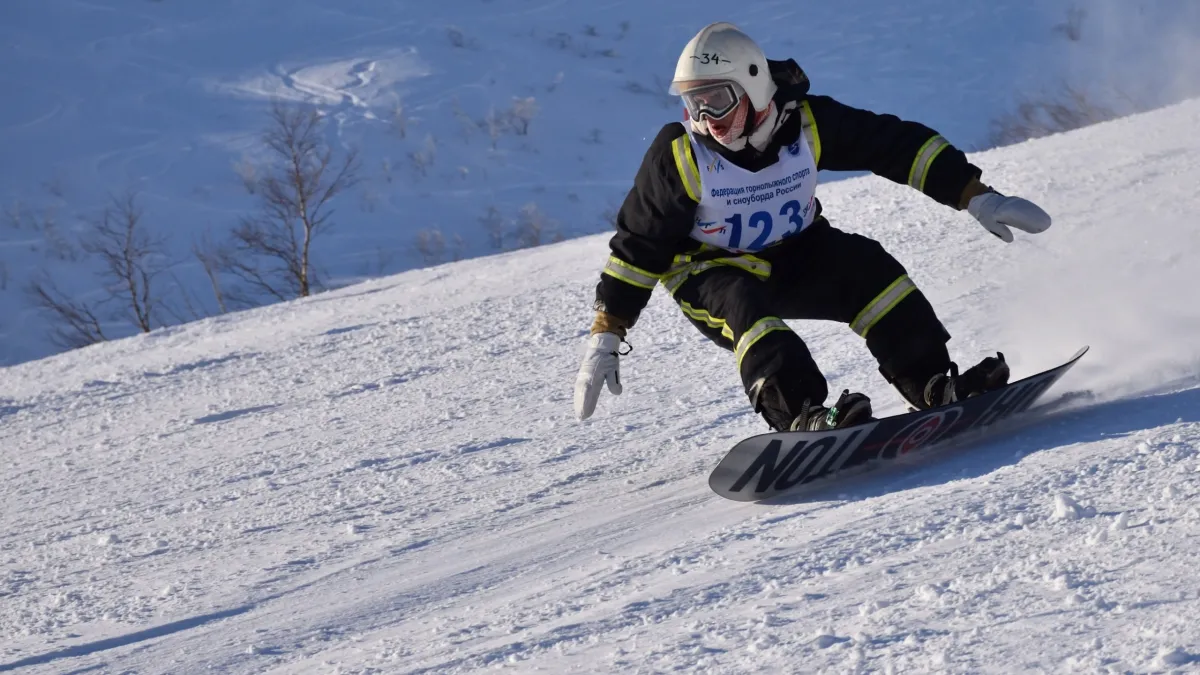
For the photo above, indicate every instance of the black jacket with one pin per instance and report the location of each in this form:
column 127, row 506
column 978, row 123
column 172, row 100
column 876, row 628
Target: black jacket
column 656, row 218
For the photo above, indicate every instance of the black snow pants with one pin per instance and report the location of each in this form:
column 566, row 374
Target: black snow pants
column 823, row 274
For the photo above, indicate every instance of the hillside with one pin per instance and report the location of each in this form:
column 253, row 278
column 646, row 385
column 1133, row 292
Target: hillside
column 168, row 99
column 388, row 477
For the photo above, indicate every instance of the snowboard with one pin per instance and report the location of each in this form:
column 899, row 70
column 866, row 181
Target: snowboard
column 771, row 464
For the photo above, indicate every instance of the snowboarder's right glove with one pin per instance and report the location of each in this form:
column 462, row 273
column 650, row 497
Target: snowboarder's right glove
column 600, row 364
column 997, row 213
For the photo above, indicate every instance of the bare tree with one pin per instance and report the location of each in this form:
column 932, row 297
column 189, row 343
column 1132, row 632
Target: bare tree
column 273, row 249
column 74, row 323
column 131, row 259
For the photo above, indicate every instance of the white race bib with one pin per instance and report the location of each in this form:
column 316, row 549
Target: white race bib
column 746, row 211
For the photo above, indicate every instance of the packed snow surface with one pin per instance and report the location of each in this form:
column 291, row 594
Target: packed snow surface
column 389, row 477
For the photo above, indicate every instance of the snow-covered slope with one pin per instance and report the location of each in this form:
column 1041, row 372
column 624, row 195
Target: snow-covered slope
column 388, row 477
column 168, row 97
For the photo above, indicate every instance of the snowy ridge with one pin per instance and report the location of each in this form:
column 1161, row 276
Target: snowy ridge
column 388, row 478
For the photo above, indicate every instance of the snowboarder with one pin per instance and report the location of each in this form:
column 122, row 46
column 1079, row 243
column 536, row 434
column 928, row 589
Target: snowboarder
column 723, row 214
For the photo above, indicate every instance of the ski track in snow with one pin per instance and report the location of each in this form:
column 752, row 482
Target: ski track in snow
column 388, row 477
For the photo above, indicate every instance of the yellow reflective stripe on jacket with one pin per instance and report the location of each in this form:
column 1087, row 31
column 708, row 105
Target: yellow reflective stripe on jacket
column 685, row 163
column 809, row 128
column 924, row 159
column 629, row 274
column 684, row 268
column 707, row 319
column 759, row 330
column 882, row 304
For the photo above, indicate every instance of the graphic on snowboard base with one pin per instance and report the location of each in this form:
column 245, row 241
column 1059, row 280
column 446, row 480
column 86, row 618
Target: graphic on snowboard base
column 770, row 464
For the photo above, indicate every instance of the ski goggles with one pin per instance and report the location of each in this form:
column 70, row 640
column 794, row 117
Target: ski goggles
column 715, row 100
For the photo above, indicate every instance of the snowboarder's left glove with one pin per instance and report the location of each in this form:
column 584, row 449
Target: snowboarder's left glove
column 997, row 213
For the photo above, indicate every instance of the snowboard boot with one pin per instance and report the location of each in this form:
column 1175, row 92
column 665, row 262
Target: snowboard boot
column 942, row 389
column 849, row 410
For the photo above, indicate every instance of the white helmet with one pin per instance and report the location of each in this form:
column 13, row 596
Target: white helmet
column 721, row 51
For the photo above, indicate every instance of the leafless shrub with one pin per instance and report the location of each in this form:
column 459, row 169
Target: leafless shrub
column 385, row 170
column 213, row 258
column 423, row 159
column 399, row 119
column 594, row 137
column 465, row 123
column 493, row 225
column 57, row 245
column 623, row 27
column 384, row 259
column 73, row 323
column 609, row 53
column 458, row 247
column 131, row 259
column 495, row 123
column 534, row 228
column 609, row 215
column 590, row 31
column 522, row 113
column 561, row 41
column 43, row 221
column 187, row 307
column 4, row 276
column 14, row 215
column 368, row 200
column 660, row 91
column 272, row 250
column 1072, row 28
column 1045, row 114
column 247, row 172
column 456, row 37
column 558, row 79
column 430, row 245
column 56, row 186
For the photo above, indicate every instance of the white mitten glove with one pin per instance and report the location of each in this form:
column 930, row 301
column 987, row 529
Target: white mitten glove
column 600, row 365
column 997, row 213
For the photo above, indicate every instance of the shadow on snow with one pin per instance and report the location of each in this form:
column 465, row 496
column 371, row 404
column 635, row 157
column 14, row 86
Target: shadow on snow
column 127, row 639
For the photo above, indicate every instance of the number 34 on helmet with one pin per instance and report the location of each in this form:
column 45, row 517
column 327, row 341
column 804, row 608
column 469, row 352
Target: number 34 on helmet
column 718, row 66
